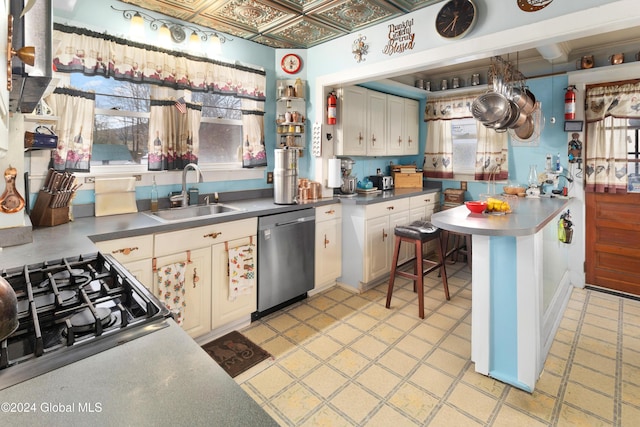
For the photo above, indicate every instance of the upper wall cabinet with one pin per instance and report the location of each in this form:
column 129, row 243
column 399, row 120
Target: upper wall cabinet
column 376, row 124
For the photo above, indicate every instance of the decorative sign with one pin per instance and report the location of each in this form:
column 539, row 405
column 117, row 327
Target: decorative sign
column 533, row 5
column 400, row 38
column 360, row 48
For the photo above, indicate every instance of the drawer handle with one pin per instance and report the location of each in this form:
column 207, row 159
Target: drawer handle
column 410, row 141
column 427, row 200
column 330, row 212
column 196, row 278
column 326, row 241
column 384, row 235
column 399, row 141
column 390, row 208
column 213, row 235
column 373, row 139
column 360, row 138
column 125, row 251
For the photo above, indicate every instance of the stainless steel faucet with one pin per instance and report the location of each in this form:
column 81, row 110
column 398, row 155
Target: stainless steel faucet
column 183, row 197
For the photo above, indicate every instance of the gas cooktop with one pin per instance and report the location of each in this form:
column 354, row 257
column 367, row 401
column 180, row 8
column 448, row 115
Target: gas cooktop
column 72, row 308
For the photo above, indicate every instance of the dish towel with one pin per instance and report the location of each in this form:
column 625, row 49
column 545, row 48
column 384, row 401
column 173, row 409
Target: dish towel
column 242, row 271
column 171, row 289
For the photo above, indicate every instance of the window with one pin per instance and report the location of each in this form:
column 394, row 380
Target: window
column 121, row 129
column 633, row 155
column 465, row 140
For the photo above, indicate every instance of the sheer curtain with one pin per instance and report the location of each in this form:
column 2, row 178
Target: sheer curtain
column 491, row 154
column 173, row 134
column 253, row 149
column 438, row 154
column 607, row 110
column 76, row 112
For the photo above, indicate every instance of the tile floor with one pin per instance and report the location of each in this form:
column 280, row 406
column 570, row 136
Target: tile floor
column 343, row 359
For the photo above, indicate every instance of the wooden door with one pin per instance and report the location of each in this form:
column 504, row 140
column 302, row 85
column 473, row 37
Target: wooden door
column 613, row 241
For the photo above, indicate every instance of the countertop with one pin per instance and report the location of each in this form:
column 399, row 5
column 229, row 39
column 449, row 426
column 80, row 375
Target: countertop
column 163, row 378
column 529, row 217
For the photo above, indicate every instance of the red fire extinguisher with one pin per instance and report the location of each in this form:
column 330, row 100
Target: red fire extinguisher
column 331, row 108
column 570, row 103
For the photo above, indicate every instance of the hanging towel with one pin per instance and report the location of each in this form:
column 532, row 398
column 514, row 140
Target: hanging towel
column 242, row 271
column 171, row 290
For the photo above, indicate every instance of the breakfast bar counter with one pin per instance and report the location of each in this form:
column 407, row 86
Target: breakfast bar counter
column 520, row 277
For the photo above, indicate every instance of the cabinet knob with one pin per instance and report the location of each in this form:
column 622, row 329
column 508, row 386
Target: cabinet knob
column 125, row 251
column 213, row 235
column 373, row 140
column 326, row 241
column 390, row 208
column 384, row 235
column 399, row 141
column 359, row 137
column 409, row 141
column 427, row 200
column 330, row 212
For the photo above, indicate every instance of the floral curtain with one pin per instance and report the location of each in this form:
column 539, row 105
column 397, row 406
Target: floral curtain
column 253, row 149
column 491, row 154
column 173, row 134
column 438, row 155
column 92, row 53
column 76, row 112
column 607, row 108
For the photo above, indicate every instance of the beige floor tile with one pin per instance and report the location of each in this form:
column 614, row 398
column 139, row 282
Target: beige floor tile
column 378, row 380
column 259, row 333
column 630, row 416
column 338, row 294
column 593, row 379
column 509, row 417
column 369, row 346
column 549, row 383
column 348, row 362
column 320, row 302
column 355, row 402
column 398, row 362
column 323, row 347
column 560, row 349
column 463, row 330
column 449, row 417
column 299, row 362
column 537, row 403
column 631, row 393
column 362, row 322
column 322, row 322
column 282, row 322
column 340, row 311
column 429, row 378
column 555, row 365
column 483, row 382
column 297, row 402
column 377, row 311
column 303, row 312
column 325, row 381
column 453, row 311
column 275, row 415
column 631, row 341
column 300, row 333
column 278, row 346
column 344, row 333
column 600, row 321
column 271, row 381
column 457, row 345
column 388, row 416
column 472, row 401
column 386, row 333
column 631, row 372
column 446, row 362
column 413, row 401
column 585, row 357
column 572, row 417
column 326, row 417
column 418, row 348
column 356, row 302
column 589, row 400
column 402, row 321
column 428, row 332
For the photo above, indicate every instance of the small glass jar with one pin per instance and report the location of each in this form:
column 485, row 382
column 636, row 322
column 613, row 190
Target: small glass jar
column 444, row 85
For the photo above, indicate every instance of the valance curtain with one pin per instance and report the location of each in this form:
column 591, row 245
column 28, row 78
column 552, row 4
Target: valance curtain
column 174, row 138
column 93, row 53
column 76, row 112
column 492, row 146
column 607, row 108
column 253, row 148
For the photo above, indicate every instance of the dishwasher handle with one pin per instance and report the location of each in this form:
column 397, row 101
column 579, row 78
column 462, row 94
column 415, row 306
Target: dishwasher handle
column 295, row 221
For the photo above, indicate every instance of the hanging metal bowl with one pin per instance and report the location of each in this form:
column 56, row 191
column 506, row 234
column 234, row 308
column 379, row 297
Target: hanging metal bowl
column 490, row 108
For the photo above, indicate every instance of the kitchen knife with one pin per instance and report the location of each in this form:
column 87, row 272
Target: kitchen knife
column 47, row 180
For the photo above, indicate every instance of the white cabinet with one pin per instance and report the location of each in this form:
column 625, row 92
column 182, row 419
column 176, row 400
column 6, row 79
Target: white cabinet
column 377, row 124
column 352, row 129
column 381, row 220
column 328, row 245
column 135, row 254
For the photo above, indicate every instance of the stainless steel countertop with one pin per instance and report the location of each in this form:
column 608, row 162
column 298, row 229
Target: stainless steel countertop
column 163, row 378
column 528, row 218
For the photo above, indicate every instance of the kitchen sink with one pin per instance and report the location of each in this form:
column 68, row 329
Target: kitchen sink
column 193, row 212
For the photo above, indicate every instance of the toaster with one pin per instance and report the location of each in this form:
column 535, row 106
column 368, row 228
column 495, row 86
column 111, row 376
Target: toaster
column 382, row 182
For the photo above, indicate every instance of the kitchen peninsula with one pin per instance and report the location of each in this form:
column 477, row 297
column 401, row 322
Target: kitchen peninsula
column 520, row 286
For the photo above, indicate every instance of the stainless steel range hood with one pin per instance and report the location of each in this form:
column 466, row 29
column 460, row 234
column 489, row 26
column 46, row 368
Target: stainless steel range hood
column 35, row 28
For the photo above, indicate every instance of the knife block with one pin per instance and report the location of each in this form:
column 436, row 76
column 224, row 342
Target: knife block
column 44, row 216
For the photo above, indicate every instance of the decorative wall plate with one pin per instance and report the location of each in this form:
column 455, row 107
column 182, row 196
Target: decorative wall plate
column 533, row 5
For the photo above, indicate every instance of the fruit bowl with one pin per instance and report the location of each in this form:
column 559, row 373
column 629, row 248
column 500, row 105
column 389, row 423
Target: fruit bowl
column 476, row 206
column 500, row 204
column 513, row 189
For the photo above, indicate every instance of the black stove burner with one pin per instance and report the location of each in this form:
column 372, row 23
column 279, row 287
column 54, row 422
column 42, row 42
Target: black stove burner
column 67, row 297
column 85, row 321
column 68, row 277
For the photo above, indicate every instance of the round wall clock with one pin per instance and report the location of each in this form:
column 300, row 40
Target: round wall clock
column 291, row 63
column 456, row 18
column 533, row 5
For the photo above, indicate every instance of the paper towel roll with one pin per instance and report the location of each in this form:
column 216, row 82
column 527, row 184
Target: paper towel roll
column 334, row 175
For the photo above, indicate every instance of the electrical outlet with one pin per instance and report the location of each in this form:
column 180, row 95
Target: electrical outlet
column 89, row 179
column 269, row 177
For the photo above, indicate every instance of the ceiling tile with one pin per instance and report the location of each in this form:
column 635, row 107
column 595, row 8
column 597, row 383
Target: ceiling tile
column 305, row 32
column 351, row 15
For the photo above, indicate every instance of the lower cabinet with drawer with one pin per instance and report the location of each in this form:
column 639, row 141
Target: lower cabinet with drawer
column 135, row 254
column 328, row 246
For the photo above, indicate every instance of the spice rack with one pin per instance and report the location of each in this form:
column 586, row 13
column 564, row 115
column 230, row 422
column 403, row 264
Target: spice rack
column 290, row 113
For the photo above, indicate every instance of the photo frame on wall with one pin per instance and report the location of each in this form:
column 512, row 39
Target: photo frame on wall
column 573, row 125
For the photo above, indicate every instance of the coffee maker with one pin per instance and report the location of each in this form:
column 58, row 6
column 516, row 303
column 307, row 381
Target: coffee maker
column 349, row 181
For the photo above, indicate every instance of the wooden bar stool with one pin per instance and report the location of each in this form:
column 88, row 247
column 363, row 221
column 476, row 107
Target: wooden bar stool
column 418, row 233
column 461, row 245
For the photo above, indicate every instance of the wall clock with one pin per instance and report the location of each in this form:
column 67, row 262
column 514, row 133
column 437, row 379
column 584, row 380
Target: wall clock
column 456, row 18
column 533, row 5
column 291, row 63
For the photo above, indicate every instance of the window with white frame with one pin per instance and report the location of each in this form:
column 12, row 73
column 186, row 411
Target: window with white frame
column 465, row 141
column 121, row 129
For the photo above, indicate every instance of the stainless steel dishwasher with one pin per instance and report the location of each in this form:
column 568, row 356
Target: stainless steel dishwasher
column 285, row 259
